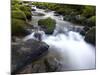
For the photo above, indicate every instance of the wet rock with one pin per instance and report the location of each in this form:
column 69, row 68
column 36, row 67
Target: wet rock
column 33, row 9
column 47, row 10
column 52, row 65
column 41, row 7
column 56, row 14
column 23, row 53
column 84, row 30
column 67, row 18
column 38, row 36
column 47, row 63
column 37, row 14
column 48, row 25
column 90, row 36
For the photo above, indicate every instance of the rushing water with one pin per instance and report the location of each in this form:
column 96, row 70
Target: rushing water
column 66, row 43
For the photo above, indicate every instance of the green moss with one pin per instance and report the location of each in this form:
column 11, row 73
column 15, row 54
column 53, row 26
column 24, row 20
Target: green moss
column 25, row 8
column 14, row 2
column 92, row 21
column 27, row 11
column 47, row 24
column 18, row 15
column 88, row 11
column 18, row 27
column 14, row 8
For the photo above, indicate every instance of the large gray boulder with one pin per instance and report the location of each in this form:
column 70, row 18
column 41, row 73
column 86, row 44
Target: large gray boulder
column 24, row 53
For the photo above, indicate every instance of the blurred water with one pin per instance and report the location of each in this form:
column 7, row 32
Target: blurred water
column 67, row 43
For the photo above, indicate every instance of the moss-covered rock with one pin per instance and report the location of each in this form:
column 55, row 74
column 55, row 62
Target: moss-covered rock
column 88, row 11
column 48, row 25
column 91, row 21
column 24, row 53
column 18, row 27
column 67, row 18
column 27, row 11
column 78, row 19
column 90, row 36
column 18, row 15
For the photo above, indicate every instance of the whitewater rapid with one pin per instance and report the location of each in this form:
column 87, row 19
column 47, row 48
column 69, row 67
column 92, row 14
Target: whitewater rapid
column 66, row 44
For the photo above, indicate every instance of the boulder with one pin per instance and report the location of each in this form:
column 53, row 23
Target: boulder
column 27, row 11
column 38, row 36
column 37, row 14
column 24, row 53
column 90, row 36
column 52, row 64
column 91, row 21
column 84, row 30
column 33, row 9
column 48, row 25
column 18, row 27
column 16, row 14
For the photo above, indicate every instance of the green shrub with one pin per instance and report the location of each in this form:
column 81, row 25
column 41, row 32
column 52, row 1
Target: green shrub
column 18, row 15
column 17, row 27
column 47, row 24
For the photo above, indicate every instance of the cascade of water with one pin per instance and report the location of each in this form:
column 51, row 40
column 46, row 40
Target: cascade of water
column 75, row 53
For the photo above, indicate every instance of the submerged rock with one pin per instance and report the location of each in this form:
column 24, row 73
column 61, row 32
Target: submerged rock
column 38, row 36
column 23, row 53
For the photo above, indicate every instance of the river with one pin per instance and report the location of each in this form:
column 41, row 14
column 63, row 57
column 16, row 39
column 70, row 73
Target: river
column 66, row 44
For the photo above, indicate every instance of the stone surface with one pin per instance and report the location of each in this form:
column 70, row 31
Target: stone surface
column 23, row 53
column 90, row 36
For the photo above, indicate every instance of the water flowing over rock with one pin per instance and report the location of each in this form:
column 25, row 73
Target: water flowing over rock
column 67, row 45
column 67, row 49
